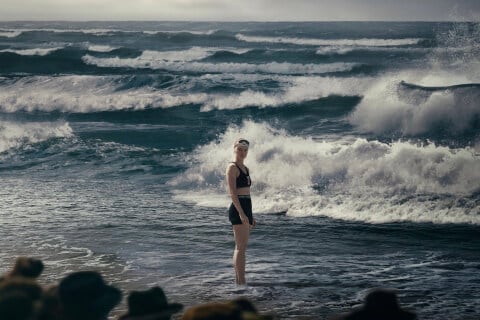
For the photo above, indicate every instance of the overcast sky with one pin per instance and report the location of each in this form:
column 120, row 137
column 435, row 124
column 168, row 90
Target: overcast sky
column 241, row 10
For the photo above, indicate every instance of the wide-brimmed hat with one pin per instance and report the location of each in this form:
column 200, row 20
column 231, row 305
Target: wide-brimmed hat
column 86, row 293
column 150, row 304
column 380, row 304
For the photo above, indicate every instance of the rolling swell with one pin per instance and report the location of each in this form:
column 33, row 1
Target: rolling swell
column 61, row 61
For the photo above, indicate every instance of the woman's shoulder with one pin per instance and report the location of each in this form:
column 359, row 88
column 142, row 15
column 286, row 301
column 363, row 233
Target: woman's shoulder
column 232, row 166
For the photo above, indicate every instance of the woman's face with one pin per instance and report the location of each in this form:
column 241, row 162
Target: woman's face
column 241, row 152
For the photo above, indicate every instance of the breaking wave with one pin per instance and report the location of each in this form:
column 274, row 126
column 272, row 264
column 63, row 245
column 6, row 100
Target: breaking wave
column 331, row 42
column 154, row 60
column 83, row 94
column 15, row 134
column 390, row 106
column 353, row 179
column 32, row 52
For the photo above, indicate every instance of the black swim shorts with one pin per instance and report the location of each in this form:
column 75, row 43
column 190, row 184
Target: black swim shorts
column 246, row 204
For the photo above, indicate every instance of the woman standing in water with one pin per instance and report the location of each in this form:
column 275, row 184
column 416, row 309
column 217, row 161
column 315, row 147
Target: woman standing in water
column 240, row 211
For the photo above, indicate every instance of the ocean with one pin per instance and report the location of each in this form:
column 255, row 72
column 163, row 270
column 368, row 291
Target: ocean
column 364, row 156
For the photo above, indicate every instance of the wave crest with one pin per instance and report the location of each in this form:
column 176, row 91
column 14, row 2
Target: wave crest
column 369, row 42
column 14, row 134
column 32, row 52
column 150, row 60
column 390, row 107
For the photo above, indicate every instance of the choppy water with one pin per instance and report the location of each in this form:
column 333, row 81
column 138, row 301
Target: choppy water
column 365, row 158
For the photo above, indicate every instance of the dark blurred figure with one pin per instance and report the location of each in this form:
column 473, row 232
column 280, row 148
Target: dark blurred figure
column 151, row 304
column 380, row 304
column 19, row 298
column 244, row 305
column 84, row 295
column 25, row 267
column 213, row 311
column 238, row 309
column 50, row 306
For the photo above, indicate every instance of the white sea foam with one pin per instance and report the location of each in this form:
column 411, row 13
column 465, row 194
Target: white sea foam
column 389, row 107
column 171, row 60
column 101, row 48
column 196, row 32
column 344, row 49
column 370, row 42
column 33, row 52
column 10, row 33
column 192, row 54
column 157, row 59
column 329, row 50
column 14, row 134
column 98, row 32
column 353, row 179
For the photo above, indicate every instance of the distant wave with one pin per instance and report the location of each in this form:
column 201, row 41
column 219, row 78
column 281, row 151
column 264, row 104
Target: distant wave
column 98, row 32
column 14, row 134
column 170, row 61
column 82, row 94
column 330, row 50
column 295, row 90
column 392, row 106
column 351, row 179
column 344, row 49
column 32, row 52
column 207, row 32
column 101, row 48
column 370, row 42
column 10, row 33
column 151, row 56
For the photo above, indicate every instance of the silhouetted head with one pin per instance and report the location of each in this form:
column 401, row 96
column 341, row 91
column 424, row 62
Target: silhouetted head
column 153, row 303
column 380, row 304
column 85, row 295
column 27, row 267
column 381, row 300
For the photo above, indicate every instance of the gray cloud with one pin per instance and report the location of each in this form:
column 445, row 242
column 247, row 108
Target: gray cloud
column 252, row 10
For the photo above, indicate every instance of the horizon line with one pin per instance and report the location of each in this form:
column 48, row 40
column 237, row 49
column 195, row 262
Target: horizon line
column 227, row 21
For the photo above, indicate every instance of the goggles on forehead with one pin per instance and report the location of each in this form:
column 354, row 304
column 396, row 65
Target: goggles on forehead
column 242, row 143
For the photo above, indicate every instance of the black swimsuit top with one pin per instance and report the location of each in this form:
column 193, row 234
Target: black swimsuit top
column 243, row 180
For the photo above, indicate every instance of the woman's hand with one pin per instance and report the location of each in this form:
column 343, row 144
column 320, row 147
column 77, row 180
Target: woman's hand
column 244, row 219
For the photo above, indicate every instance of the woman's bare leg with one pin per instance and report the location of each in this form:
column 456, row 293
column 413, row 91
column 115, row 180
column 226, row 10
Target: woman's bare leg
column 241, row 233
